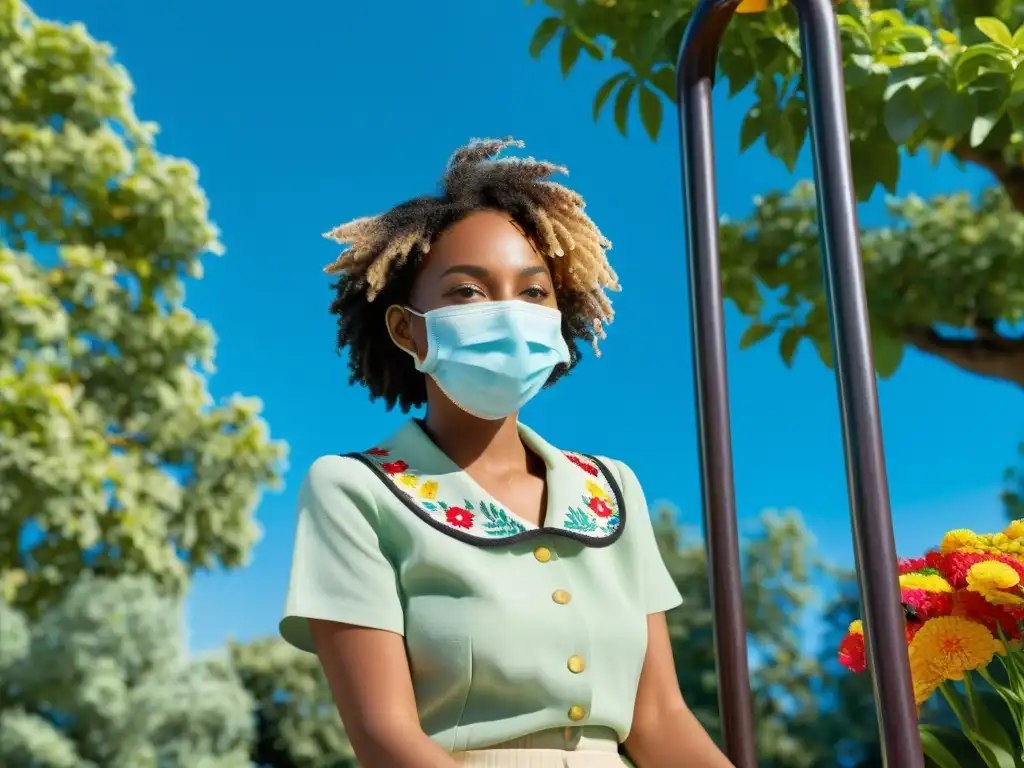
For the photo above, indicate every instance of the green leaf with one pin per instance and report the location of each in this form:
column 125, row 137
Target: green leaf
column 593, row 50
column 605, row 91
column 755, row 332
column 903, row 114
column 622, row 99
column 980, row 59
column 982, row 127
column 1018, row 38
column 823, row 346
column 650, row 111
column 888, row 353
column 665, row 81
column 788, row 344
column 569, row 52
column 751, row 129
column 935, row 750
column 995, row 30
column 543, row 35
column 993, row 735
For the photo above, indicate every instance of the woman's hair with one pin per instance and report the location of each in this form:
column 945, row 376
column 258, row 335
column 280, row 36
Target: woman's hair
column 385, row 251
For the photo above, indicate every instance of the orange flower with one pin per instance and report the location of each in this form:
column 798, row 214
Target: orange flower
column 946, row 647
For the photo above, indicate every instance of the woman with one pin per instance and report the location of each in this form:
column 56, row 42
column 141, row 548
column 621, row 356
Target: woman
column 476, row 596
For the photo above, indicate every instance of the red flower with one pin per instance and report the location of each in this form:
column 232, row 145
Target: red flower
column 852, row 653
column 590, row 469
column 925, row 604
column 600, row 507
column 459, row 517
column 912, row 565
column 1005, row 617
column 911, row 628
column 394, row 467
column 378, row 452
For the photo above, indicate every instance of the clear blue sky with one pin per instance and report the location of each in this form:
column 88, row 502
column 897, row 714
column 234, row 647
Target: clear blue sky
column 303, row 115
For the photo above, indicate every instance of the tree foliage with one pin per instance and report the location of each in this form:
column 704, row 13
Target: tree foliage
column 941, row 76
column 113, row 456
column 99, row 680
column 800, row 722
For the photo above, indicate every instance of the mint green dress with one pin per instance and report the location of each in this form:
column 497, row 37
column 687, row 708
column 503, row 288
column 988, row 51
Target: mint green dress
column 510, row 629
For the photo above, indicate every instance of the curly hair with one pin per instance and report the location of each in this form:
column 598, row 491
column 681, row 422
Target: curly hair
column 385, row 251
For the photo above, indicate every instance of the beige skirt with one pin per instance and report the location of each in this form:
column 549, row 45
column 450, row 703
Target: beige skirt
column 556, row 748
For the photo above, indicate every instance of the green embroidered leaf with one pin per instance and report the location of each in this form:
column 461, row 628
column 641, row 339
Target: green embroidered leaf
column 468, row 505
column 428, row 505
column 442, row 505
column 578, row 520
column 498, row 522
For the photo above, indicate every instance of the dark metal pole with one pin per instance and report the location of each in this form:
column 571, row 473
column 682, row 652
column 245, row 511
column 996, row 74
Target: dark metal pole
column 874, row 543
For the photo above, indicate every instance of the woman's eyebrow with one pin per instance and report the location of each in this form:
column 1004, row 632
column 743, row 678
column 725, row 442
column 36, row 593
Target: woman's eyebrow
column 467, row 269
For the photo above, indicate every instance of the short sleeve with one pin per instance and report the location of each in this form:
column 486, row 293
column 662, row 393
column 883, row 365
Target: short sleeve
column 659, row 590
column 339, row 571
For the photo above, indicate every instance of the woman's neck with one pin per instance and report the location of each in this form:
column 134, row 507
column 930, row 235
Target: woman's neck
column 471, row 441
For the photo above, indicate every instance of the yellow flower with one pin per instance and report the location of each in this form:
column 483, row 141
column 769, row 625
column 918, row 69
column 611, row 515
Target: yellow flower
column 959, row 539
column 989, row 578
column 1015, row 530
column 930, row 582
column 923, row 677
column 947, row 646
column 409, row 481
column 597, row 491
column 856, row 627
column 428, row 490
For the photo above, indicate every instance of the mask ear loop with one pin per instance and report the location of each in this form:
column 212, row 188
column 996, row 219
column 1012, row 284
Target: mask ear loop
column 395, row 341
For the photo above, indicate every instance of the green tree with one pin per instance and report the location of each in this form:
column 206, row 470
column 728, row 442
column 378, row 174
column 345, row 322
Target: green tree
column 786, row 585
column 946, row 276
column 113, row 456
column 99, row 680
column 297, row 724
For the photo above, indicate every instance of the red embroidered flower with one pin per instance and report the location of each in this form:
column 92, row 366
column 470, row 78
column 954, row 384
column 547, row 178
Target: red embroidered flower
column 590, row 469
column 459, row 517
column 394, row 467
column 852, row 654
column 600, row 507
column 378, row 452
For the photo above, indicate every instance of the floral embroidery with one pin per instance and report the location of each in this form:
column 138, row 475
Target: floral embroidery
column 586, row 466
column 459, row 517
column 595, row 517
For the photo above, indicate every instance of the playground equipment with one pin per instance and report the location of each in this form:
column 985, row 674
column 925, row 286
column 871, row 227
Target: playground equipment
column 874, row 542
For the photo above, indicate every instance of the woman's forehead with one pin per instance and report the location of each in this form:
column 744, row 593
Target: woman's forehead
column 489, row 239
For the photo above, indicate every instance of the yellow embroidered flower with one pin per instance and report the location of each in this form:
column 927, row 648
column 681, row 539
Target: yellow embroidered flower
column 929, row 582
column 597, row 491
column 959, row 540
column 947, row 646
column 409, row 481
column 428, row 490
column 856, row 627
column 1015, row 530
column 990, row 578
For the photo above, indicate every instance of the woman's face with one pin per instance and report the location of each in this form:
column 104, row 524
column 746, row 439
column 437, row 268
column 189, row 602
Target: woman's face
column 483, row 257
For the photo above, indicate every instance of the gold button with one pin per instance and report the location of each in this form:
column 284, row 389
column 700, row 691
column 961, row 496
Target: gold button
column 576, row 664
column 560, row 596
column 543, row 554
column 576, row 713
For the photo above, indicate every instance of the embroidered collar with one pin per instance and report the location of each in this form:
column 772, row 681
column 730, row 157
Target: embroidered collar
column 584, row 501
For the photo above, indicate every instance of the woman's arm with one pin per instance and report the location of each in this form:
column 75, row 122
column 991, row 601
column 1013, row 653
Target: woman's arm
column 368, row 672
column 665, row 733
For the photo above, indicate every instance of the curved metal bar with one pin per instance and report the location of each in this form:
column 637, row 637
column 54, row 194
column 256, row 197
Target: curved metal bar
column 874, row 542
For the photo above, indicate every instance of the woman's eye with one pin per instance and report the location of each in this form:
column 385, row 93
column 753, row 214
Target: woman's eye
column 466, row 292
column 536, row 292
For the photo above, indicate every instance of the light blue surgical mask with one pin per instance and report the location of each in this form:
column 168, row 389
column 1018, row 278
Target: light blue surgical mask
column 490, row 358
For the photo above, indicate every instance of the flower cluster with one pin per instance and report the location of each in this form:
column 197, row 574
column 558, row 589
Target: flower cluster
column 964, row 604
